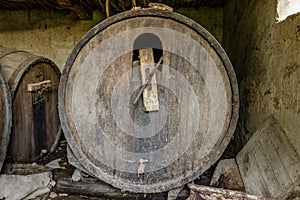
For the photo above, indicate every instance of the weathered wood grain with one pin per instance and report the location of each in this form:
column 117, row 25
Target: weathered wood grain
column 35, row 121
column 87, row 5
column 205, row 192
column 116, row 140
column 5, row 118
column 268, row 163
column 95, row 188
column 150, row 98
column 81, row 10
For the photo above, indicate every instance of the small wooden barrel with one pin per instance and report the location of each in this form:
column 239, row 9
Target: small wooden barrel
column 5, row 118
column 33, row 82
column 148, row 101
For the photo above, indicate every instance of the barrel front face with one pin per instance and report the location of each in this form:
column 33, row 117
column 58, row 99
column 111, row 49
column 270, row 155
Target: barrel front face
column 5, row 119
column 38, row 112
column 192, row 96
column 33, row 82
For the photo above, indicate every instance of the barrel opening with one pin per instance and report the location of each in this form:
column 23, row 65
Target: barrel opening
column 148, row 40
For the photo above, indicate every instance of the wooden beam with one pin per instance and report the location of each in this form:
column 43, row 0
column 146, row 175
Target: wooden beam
column 205, row 192
column 96, row 188
column 150, row 96
column 80, row 10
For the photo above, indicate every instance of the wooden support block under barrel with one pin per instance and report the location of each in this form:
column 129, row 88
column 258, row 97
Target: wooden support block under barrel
column 150, row 98
column 33, row 83
column 95, row 188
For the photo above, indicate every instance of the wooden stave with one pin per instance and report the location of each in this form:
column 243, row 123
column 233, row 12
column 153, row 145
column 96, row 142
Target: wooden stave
column 7, row 118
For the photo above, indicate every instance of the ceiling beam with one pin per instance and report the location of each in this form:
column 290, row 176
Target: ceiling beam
column 82, row 9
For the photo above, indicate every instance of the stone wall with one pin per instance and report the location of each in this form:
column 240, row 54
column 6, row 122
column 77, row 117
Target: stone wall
column 53, row 35
column 210, row 18
column 266, row 57
column 45, row 33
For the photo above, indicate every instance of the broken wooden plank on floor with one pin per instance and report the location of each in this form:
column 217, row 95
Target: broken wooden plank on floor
column 268, row 163
column 210, row 193
column 24, row 169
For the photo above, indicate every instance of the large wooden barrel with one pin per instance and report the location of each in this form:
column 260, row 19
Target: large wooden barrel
column 33, row 82
column 141, row 123
column 5, row 118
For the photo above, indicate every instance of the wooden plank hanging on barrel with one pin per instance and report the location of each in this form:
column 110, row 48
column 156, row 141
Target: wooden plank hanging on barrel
column 150, row 99
column 114, row 138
